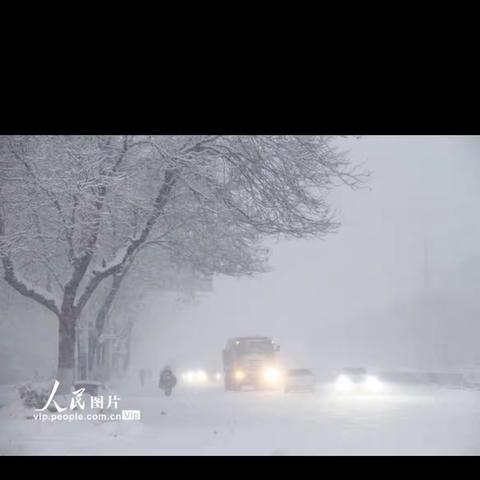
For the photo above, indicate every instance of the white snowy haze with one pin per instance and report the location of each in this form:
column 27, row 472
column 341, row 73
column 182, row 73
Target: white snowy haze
column 396, row 289
column 397, row 286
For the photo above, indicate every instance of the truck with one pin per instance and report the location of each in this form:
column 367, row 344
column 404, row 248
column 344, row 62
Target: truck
column 251, row 362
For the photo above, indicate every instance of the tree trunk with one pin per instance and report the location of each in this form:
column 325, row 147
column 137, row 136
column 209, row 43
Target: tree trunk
column 126, row 364
column 66, row 352
column 104, row 311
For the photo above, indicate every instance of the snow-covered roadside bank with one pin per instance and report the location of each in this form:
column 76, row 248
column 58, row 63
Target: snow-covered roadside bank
column 22, row 434
column 210, row 421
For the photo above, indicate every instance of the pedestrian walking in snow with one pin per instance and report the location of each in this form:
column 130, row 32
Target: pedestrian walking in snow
column 167, row 381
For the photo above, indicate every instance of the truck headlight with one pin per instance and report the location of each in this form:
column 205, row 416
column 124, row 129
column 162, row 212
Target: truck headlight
column 343, row 384
column 271, row 375
column 239, row 374
column 373, row 383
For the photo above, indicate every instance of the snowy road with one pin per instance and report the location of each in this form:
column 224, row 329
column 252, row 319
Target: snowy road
column 415, row 421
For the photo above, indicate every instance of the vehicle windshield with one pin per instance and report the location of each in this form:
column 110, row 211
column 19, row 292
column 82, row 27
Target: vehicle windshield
column 255, row 346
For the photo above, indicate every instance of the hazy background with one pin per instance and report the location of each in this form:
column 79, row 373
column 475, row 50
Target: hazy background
column 397, row 286
column 367, row 295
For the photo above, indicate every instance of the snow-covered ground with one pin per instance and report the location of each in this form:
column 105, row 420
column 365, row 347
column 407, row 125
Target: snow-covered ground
column 209, row 421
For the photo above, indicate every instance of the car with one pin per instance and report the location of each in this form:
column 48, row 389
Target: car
column 201, row 377
column 355, row 380
column 93, row 388
column 299, row 380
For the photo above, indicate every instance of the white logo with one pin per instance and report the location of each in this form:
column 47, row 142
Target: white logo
column 131, row 415
column 78, row 402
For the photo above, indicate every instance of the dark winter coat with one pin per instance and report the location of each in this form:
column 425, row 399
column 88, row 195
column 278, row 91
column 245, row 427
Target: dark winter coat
column 167, row 379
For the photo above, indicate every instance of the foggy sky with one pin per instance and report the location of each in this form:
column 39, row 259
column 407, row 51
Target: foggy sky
column 422, row 193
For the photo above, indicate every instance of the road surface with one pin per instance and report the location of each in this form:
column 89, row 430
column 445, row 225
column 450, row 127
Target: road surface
column 209, row 421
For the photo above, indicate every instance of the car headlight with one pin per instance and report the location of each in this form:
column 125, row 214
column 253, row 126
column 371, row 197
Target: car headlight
column 373, row 383
column 218, row 377
column 239, row 374
column 202, row 376
column 271, row 375
column 343, row 384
